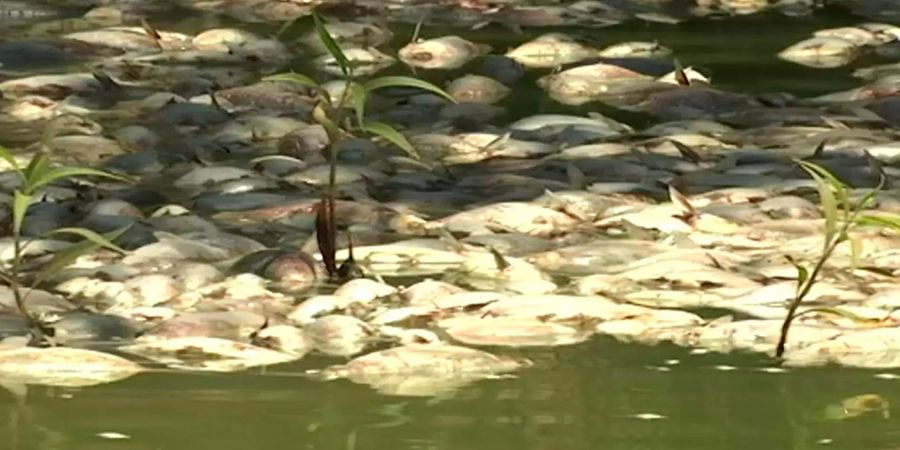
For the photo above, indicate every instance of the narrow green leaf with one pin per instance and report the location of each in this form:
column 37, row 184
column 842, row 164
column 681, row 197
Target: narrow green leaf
column 829, row 205
column 358, row 97
column 802, row 274
column 865, row 201
column 332, row 46
column 840, row 189
column 89, row 235
column 837, row 312
column 67, row 256
column 388, row 133
column 398, row 81
column 9, row 158
column 49, row 176
column 855, row 252
column 37, row 168
column 21, row 202
column 891, row 222
column 303, row 80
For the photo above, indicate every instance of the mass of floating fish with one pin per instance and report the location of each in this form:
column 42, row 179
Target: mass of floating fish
column 547, row 230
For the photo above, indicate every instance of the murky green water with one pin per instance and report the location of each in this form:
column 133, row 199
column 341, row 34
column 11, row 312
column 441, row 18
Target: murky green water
column 599, row 395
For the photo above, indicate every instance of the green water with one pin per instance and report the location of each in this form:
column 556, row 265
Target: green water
column 597, row 395
column 582, row 397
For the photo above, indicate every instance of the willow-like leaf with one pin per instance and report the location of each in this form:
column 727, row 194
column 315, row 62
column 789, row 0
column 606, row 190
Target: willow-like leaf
column 839, row 188
column 399, row 81
column 91, row 236
column 891, row 222
column 802, row 275
column 21, row 202
column 829, row 205
column 855, row 252
column 332, row 46
column 837, row 312
column 36, row 168
column 68, row 255
column 59, row 173
column 388, row 133
column 9, row 158
column 358, row 97
column 865, row 201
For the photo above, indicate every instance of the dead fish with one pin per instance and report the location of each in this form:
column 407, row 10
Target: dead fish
column 53, row 86
column 545, row 127
column 870, row 348
column 856, row 406
column 206, row 353
column 285, row 339
column 551, row 50
column 447, row 52
column 511, row 332
column 222, row 39
column 291, row 269
column 364, row 290
column 78, row 328
column 435, row 359
column 501, row 68
column 61, row 366
column 477, row 89
column 423, row 369
column 348, row 34
column 593, row 82
column 339, row 335
column 131, row 39
column 521, row 217
column 365, row 61
column 237, row 325
column 473, row 147
column 821, row 52
column 857, row 35
column 635, row 49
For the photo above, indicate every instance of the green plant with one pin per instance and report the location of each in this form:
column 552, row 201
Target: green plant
column 41, row 172
column 334, row 117
column 842, row 216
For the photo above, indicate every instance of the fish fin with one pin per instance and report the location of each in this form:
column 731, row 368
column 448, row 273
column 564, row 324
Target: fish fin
column 445, row 235
column 152, row 32
column 499, row 260
column 680, row 75
column 834, row 123
column 820, row 149
column 688, row 212
column 686, row 152
column 876, row 166
column 576, row 177
column 106, row 81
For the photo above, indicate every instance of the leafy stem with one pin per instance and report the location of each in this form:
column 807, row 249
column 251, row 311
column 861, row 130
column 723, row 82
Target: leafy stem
column 832, row 192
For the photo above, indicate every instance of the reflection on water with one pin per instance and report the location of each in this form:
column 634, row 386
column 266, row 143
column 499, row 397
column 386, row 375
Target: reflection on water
column 598, row 395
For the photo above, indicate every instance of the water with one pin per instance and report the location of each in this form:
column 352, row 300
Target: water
column 598, row 395
column 601, row 394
